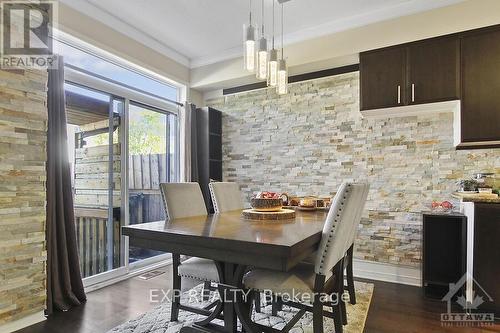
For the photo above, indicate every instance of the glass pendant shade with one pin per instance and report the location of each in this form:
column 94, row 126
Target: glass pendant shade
column 272, row 68
column 249, row 33
column 282, row 87
column 261, row 70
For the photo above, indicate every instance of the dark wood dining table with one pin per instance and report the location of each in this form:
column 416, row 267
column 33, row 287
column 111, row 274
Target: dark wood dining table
column 235, row 244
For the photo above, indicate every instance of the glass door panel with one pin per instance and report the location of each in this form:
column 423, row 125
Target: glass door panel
column 94, row 155
column 150, row 163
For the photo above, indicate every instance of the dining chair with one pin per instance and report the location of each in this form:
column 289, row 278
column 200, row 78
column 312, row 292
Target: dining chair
column 325, row 277
column 226, row 196
column 183, row 200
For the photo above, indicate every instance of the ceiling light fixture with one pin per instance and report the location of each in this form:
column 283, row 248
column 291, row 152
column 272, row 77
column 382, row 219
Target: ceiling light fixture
column 272, row 69
column 249, row 33
column 261, row 68
column 282, row 87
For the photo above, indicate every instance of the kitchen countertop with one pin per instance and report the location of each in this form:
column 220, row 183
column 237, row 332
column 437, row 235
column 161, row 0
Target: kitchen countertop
column 481, row 200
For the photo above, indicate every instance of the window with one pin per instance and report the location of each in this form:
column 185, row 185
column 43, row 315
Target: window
column 123, row 142
column 75, row 57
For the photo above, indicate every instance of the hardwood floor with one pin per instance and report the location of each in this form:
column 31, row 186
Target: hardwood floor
column 394, row 309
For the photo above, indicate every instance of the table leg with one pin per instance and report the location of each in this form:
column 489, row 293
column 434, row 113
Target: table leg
column 230, row 281
column 227, row 296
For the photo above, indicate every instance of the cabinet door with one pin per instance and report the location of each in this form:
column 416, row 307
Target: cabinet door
column 486, row 269
column 481, row 87
column 434, row 71
column 382, row 76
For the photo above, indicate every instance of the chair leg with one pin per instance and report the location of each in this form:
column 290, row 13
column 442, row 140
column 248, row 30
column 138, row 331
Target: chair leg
column 176, row 286
column 206, row 290
column 257, row 302
column 318, row 315
column 276, row 306
column 350, row 276
column 343, row 311
column 338, row 309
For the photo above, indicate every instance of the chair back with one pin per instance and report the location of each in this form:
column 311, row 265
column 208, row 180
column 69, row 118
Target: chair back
column 183, row 200
column 226, row 196
column 341, row 225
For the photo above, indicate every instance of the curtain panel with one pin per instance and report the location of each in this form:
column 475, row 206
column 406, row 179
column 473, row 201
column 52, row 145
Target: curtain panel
column 188, row 142
column 64, row 282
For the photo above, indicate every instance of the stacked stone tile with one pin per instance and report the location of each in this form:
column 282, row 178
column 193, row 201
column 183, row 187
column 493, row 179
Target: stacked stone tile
column 23, row 126
column 309, row 141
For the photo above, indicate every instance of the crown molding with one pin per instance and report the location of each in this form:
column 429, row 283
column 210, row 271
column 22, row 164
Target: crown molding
column 107, row 18
column 398, row 10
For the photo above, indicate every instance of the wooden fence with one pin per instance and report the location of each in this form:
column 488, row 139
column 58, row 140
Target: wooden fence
column 146, row 172
column 92, row 168
column 91, row 186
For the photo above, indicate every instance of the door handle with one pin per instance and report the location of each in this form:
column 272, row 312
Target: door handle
column 413, row 92
column 399, row 94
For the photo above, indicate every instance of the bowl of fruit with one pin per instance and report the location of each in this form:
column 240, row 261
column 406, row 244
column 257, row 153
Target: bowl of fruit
column 267, row 202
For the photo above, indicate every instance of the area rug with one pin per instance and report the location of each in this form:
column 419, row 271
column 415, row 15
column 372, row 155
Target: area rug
column 158, row 319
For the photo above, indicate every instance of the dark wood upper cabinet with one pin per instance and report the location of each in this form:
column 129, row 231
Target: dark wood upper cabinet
column 481, row 87
column 382, row 78
column 416, row 73
column 434, row 71
column 463, row 66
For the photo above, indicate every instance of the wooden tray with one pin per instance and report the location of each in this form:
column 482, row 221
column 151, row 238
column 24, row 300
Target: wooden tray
column 283, row 214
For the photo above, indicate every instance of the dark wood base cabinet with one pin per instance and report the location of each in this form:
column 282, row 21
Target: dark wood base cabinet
column 444, row 252
column 486, row 269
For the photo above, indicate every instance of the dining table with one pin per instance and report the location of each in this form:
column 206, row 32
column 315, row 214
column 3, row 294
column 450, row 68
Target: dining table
column 235, row 244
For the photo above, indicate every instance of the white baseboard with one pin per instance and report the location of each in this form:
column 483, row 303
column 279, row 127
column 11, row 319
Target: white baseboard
column 29, row 320
column 387, row 272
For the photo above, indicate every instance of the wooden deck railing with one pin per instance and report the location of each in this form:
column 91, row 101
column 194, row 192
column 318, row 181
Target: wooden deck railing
column 91, row 233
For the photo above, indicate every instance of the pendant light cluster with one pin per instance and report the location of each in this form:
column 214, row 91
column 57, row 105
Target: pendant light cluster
column 263, row 62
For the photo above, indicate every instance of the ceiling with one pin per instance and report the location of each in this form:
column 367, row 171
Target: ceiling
column 202, row 32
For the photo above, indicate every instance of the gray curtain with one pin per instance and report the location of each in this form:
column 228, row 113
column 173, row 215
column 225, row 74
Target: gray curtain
column 189, row 172
column 64, row 282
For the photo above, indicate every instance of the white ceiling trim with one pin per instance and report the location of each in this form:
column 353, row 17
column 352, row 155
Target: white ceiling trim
column 117, row 24
column 351, row 22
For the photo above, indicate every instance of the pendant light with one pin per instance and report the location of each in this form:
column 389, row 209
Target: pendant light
column 282, row 86
column 272, row 68
column 261, row 66
column 249, row 43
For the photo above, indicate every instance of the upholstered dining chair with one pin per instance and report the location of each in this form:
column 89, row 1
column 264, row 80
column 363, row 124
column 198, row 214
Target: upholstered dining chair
column 186, row 200
column 325, row 277
column 226, row 196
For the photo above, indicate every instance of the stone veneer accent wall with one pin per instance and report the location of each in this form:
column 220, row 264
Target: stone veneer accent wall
column 23, row 126
column 309, row 141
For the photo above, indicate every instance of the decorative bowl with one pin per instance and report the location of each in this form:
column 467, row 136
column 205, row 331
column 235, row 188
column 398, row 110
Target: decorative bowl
column 266, row 205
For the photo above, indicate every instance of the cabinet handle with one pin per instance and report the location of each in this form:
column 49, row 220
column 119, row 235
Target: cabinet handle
column 413, row 92
column 399, row 94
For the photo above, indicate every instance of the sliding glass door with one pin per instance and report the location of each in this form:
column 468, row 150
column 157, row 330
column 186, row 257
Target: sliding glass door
column 120, row 151
column 123, row 142
column 151, row 161
column 94, row 150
